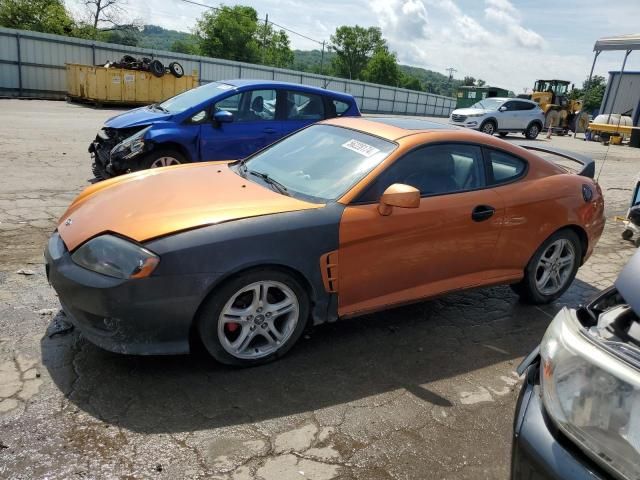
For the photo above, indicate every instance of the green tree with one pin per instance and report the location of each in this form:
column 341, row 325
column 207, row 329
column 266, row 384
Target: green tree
column 469, row 81
column 122, row 36
column 275, row 47
column 480, row 82
column 47, row 16
column 354, row 46
column 594, row 94
column 185, row 46
column 410, row 82
column 382, row 68
column 230, row 33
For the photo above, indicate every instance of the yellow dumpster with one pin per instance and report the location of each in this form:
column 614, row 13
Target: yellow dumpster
column 123, row 86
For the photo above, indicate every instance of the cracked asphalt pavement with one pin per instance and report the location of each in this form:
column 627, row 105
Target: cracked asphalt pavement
column 424, row 391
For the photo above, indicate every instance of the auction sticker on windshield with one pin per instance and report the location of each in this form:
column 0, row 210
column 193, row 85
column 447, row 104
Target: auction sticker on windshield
column 361, row 148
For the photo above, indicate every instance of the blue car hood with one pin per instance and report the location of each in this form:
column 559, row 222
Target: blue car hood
column 137, row 118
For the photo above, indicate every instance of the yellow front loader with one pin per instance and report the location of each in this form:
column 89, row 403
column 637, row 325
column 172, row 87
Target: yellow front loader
column 561, row 113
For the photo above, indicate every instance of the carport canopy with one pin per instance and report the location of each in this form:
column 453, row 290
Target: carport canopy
column 620, row 42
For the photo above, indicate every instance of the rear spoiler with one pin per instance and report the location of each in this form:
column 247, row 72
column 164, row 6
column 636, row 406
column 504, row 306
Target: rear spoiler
column 588, row 165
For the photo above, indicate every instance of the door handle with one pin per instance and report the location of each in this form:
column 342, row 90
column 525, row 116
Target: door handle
column 269, row 130
column 482, row 212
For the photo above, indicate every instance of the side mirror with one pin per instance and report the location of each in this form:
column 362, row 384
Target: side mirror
column 223, row 117
column 398, row 195
column 502, row 109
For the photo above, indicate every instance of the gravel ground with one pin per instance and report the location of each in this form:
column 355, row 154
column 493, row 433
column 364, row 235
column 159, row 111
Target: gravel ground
column 425, row 391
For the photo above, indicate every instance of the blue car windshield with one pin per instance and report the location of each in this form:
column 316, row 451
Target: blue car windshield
column 193, row 97
column 321, row 162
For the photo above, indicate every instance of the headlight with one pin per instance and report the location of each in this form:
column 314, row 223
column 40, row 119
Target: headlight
column 131, row 146
column 475, row 115
column 115, row 257
column 592, row 396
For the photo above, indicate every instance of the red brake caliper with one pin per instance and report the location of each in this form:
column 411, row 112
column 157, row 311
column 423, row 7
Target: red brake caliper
column 231, row 327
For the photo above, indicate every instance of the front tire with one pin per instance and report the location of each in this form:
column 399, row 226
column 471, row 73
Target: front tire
column 162, row 157
column 532, row 131
column 552, row 268
column 254, row 318
column 488, row 127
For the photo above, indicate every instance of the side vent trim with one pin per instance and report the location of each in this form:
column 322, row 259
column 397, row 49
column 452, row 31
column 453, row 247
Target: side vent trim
column 329, row 269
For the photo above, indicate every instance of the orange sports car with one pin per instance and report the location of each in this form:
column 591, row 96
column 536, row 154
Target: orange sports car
column 344, row 217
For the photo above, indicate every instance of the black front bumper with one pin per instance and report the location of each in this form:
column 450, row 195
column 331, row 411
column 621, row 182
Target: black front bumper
column 540, row 451
column 148, row 316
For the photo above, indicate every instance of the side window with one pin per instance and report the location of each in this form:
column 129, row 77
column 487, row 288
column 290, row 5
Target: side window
column 505, row 167
column 250, row 106
column 229, row 104
column 337, row 108
column 434, row 170
column 304, row 106
column 510, row 106
column 526, row 106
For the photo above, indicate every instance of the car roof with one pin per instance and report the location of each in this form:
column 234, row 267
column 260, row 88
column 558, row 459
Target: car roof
column 243, row 83
column 391, row 128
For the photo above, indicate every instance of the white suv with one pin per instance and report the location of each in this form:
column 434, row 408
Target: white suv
column 501, row 115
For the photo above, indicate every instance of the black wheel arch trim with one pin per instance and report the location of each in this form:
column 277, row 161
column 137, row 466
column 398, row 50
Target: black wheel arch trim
column 294, row 241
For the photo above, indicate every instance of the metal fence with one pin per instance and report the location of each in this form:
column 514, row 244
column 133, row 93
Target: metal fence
column 32, row 64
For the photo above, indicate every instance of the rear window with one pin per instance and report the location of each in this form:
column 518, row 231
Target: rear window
column 340, row 107
column 505, row 167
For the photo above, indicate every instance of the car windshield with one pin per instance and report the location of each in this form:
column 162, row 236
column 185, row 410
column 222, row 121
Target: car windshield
column 188, row 99
column 488, row 104
column 321, row 162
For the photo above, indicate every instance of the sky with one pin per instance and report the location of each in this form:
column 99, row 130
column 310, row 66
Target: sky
column 507, row 43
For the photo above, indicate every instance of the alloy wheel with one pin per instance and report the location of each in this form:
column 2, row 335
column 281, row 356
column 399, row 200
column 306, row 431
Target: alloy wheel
column 258, row 320
column 555, row 267
column 488, row 128
column 164, row 162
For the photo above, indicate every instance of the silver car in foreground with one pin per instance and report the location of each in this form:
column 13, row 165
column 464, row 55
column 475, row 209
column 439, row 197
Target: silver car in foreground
column 501, row 115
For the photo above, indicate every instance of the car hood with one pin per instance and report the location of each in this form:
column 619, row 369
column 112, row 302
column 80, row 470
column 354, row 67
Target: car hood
column 157, row 202
column 627, row 283
column 469, row 111
column 137, row 117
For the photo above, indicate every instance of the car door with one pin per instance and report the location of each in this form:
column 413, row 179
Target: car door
column 253, row 127
column 300, row 109
column 507, row 117
column 527, row 112
column 447, row 243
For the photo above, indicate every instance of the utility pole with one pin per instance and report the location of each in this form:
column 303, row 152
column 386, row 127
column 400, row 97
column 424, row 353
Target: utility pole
column 451, row 71
column 264, row 36
column 322, row 60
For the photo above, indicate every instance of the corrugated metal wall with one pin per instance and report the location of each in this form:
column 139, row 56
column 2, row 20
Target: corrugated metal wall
column 33, row 65
column 628, row 97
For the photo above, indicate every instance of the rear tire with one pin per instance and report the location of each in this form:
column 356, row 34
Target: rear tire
column 627, row 234
column 532, row 131
column 552, row 269
column 250, row 303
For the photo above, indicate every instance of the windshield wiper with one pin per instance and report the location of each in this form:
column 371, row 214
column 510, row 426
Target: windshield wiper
column 274, row 183
column 242, row 167
column 157, row 106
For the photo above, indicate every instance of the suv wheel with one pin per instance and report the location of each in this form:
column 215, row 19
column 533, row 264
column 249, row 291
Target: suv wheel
column 488, row 127
column 532, row 131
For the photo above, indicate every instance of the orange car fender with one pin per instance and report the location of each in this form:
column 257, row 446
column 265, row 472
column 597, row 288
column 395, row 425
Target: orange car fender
column 535, row 209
